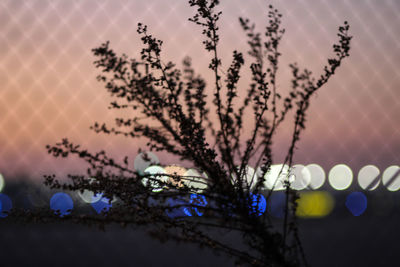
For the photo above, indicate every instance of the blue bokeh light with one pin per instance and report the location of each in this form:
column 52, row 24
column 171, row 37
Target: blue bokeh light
column 356, row 203
column 61, row 203
column 277, row 203
column 153, row 202
column 180, row 210
column 102, row 205
column 197, row 202
column 5, row 205
column 258, row 204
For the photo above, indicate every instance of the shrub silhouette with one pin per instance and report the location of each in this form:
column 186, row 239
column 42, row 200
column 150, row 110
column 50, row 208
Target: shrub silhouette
column 223, row 193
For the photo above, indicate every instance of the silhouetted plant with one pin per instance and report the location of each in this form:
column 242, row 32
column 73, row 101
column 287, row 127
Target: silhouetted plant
column 176, row 101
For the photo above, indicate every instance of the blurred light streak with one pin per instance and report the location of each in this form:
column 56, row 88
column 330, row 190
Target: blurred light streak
column 315, row 204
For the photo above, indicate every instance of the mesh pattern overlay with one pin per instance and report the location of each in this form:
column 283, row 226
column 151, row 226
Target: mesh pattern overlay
column 49, row 91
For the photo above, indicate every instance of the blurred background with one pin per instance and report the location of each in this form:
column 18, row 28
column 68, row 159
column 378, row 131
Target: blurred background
column 49, row 91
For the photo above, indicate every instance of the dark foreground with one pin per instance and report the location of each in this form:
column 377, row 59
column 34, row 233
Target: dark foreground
column 340, row 239
column 339, row 242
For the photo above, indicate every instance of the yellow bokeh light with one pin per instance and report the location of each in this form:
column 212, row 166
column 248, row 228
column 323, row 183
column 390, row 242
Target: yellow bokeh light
column 175, row 170
column 315, row 204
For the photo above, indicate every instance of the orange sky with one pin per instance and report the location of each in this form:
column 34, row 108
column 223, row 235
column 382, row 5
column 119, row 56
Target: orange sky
column 48, row 88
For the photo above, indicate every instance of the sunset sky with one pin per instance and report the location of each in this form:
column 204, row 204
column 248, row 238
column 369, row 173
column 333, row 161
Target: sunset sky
column 48, row 87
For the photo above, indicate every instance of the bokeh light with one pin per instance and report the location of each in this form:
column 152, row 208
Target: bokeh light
column 301, row 177
column 144, row 160
column 315, row 204
column 61, row 203
column 340, row 177
column 317, row 176
column 1, row 182
column 89, row 197
column 198, row 202
column 153, row 178
column 6, row 205
column 276, row 204
column 391, row 178
column 177, row 208
column 103, row 205
column 195, row 180
column 368, row 177
column 272, row 178
column 100, row 197
column 250, row 177
column 258, row 205
column 175, row 170
column 356, row 203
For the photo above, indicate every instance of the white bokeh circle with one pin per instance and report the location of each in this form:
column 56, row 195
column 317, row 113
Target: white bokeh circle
column 301, row 177
column 317, row 176
column 152, row 177
column 340, row 177
column 391, row 178
column 368, row 177
column 273, row 180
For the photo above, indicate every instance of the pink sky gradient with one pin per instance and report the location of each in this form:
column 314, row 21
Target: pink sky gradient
column 49, row 90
